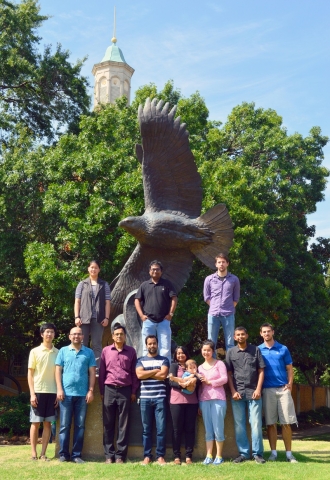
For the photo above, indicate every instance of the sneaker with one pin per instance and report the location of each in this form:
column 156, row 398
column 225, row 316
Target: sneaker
column 63, row 459
column 208, row 461
column 239, row 459
column 78, row 460
column 218, row 461
column 291, row 459
column 272, row 457
column 259, row 459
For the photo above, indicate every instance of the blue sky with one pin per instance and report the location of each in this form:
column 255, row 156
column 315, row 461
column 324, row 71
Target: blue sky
column 273, row 53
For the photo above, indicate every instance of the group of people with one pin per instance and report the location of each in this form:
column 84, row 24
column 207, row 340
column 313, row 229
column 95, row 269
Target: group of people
column 67, row 377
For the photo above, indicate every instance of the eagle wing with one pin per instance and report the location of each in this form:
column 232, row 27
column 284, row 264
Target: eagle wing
column 177, row 266
column 170, row 177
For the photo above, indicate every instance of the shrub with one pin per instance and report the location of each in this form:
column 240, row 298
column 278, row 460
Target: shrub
column 15, row 414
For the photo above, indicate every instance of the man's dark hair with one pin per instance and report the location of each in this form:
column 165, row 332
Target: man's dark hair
column 269, row 325
column 241, row 328
column 209, row 343
column 156, row 262
column 222, row 255
column 117, row 326
column 47, row 326
column 151, row 336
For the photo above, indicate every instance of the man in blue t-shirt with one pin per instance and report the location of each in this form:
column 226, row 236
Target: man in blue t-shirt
column 75, row 379
column 152, row 370
column 277, row 387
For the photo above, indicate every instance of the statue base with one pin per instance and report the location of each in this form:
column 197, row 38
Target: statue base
column 93, row 440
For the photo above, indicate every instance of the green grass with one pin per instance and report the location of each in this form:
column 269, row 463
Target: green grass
column 312, row 453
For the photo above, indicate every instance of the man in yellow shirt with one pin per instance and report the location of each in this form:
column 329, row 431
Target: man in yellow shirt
column 42, row 385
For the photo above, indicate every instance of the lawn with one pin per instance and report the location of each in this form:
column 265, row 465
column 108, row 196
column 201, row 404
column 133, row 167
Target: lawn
column 312, row 453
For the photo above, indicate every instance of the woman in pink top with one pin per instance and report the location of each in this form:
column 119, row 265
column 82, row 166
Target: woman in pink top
column 212, row 401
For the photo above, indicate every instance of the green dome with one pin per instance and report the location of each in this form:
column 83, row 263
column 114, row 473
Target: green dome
column 113, row 54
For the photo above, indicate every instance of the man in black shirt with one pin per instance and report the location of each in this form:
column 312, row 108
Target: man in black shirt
column 155, row 302
column 245, row 367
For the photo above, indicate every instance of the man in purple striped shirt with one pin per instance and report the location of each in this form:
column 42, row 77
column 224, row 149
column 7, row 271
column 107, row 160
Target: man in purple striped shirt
column 118, row 385
column 221, row 293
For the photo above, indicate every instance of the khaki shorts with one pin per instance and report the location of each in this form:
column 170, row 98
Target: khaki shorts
column 278, row 405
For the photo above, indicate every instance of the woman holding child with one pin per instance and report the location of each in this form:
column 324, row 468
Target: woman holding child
column 212, row 401
column 183, row 403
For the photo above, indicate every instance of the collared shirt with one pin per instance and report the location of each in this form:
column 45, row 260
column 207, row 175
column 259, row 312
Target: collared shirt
column 276, row 359
column 156, row 298
column 151, row 388
column 245, row 365
column 221, row 293
column 42, row 361
column 75, row 369
column 117, row 368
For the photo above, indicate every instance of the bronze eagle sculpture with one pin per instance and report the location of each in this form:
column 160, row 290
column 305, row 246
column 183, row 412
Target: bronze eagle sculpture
column 171, row 228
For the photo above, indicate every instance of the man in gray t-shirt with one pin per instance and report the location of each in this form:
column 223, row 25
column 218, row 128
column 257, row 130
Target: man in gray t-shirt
column 245, row 367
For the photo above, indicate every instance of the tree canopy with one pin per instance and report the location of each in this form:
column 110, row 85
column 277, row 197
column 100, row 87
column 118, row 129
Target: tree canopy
column 42, row 91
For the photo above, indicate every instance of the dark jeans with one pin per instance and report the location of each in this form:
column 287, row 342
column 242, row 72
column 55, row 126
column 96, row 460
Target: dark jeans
column 154, row 408
column 116, row 400
column 75, row 407
column 184, row 421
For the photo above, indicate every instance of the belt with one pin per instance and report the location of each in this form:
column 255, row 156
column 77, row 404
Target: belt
column 117, row 386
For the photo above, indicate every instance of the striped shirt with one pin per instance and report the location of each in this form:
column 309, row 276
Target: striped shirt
column 151, row 388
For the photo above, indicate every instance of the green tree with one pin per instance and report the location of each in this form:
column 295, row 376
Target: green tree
column 42, row 91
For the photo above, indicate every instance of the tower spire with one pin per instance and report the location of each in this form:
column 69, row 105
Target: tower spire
column 114, row 39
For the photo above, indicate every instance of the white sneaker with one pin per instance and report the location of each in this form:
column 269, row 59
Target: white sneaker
column 291, row 459
column 272, row 457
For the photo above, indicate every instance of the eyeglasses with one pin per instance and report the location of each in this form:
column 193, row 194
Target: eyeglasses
column 119, row 334
column 74, row 334
column 155, row 269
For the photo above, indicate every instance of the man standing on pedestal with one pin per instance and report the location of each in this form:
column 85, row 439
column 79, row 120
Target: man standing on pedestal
column 245, row 376
column 118, row 385
column 42, row 385
column 155, row 302
column 277, row 387
column 152, row 370
column 221, row 293
column 75, row 379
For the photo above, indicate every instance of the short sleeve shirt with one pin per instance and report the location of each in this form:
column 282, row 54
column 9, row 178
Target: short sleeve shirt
column 244, row 365
column 151, row 388
column 276, row 359
column 42, row 361
column 75, row 369
column 156, row 298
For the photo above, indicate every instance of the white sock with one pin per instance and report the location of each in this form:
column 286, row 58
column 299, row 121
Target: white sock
column 274, row 452
column 289, row 454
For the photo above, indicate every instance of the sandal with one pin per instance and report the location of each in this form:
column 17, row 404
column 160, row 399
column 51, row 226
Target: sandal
column 44, row 458
column 34, row 458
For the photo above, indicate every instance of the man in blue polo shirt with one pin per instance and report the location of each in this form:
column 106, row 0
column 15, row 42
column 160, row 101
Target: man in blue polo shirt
column 152, row 370
column 277, row 387
column 75, row 379
column 221, row 293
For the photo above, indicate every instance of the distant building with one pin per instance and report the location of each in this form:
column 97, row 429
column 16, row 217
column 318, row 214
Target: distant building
column 112, row 76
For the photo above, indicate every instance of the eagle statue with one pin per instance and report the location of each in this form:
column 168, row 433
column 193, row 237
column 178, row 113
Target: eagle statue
column 172, row 228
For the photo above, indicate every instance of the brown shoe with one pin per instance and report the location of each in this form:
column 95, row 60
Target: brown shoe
column 161, row 461
column 146, row 461
column 189, row 461
column 109, row 460
column 177, row 461
column 119, row 460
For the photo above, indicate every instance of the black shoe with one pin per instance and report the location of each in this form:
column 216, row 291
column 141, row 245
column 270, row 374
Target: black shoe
column 78, row 460
column 239, row 459
column 259, row 459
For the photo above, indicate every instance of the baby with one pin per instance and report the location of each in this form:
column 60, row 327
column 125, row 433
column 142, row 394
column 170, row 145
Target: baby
column 191, row 372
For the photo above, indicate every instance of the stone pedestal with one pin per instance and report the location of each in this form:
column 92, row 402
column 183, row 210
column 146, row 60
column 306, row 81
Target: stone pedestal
column 93, row 443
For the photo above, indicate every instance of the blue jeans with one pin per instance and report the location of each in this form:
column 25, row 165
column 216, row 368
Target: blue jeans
column 154, row 408
column 255, row 419
column 163, row 333
column 76, row 407
column 228, row 325
column 214, row 412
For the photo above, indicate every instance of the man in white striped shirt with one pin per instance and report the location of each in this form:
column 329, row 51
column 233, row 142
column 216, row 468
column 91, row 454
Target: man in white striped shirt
column 152, row 370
